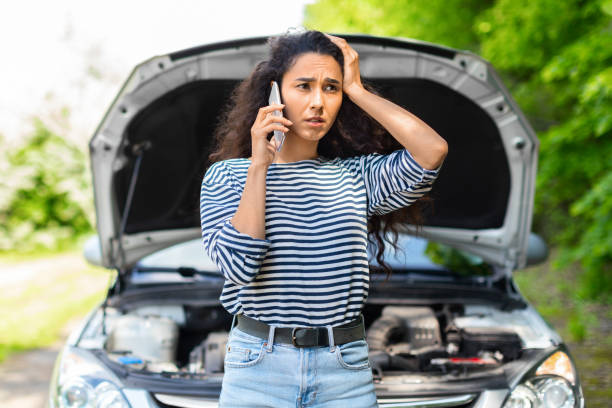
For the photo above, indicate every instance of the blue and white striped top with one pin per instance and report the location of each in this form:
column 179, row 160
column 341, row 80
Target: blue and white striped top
column 312, row 267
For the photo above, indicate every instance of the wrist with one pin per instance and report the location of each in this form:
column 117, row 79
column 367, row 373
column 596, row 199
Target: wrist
column 256, row 167
column 355, row 91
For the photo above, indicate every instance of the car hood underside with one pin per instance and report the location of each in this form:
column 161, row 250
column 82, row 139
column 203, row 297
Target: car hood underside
column 150, row 151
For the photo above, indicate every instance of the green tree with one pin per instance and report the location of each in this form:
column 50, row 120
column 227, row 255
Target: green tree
column 556, row 59
column 437, row 21
column 45, row 194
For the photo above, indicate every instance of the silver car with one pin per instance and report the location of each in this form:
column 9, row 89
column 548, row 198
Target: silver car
column 448, row 329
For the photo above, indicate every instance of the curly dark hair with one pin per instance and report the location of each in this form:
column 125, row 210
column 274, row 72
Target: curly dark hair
column 353, row 133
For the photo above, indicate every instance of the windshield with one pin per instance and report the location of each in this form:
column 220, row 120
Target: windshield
column 415, row 255
column 170, row 264
column 421, row 255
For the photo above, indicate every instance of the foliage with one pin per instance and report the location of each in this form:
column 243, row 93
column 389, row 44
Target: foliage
column 45, row 194
column 556, row 59
column 441, row 21
column 571, row 64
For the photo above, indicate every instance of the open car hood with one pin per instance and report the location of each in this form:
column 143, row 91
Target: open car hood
column 149, row 153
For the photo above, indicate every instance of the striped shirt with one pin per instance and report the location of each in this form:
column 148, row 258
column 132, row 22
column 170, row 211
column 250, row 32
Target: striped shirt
column 312, row 267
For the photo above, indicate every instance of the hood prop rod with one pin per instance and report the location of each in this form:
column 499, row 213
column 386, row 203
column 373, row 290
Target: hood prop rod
column 137, row 150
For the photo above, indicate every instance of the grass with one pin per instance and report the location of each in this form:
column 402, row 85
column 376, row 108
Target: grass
column 34, row 312
column 32, row 252
column 553, row 293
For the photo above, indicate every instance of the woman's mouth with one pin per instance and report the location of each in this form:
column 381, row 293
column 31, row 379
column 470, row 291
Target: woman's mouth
column 316, row 121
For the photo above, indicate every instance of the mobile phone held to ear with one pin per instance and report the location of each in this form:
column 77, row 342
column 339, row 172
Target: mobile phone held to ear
column 276, row 99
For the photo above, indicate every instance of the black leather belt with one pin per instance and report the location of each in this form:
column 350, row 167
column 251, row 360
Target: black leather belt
column 304, row 336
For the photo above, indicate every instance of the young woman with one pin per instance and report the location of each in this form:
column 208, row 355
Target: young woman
column 289, row 228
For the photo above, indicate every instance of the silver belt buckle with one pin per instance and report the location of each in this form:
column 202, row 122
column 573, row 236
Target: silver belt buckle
column 294, row 338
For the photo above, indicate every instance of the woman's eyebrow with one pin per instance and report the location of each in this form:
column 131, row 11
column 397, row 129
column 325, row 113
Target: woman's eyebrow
column 333, row 81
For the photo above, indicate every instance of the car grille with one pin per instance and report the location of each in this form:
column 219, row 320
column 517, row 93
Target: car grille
column 179, row 401
column 451, row 401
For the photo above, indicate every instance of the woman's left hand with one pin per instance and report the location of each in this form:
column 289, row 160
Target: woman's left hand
column 352, row 78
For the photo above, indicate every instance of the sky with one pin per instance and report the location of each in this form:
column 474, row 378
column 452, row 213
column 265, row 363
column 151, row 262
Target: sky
column 72, row 56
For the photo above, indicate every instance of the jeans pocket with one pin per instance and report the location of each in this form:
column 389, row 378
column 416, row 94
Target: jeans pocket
column 243, row 352
column 353, row 355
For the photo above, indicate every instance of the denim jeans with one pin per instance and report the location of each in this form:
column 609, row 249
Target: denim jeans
column 263, row 373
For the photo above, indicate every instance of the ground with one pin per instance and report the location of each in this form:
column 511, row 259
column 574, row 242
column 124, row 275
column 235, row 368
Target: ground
column 41, row 301
column 24, row 378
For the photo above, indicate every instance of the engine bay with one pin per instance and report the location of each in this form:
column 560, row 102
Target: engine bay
column 185, row 340
column 428, row 340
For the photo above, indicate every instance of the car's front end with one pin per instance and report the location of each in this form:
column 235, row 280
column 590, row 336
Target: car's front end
column 437, row 338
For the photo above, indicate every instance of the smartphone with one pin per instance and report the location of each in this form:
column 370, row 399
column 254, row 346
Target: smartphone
column 276, row 99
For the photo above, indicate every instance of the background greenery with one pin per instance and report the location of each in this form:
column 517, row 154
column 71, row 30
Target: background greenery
column 45, row 194
column 556, row 59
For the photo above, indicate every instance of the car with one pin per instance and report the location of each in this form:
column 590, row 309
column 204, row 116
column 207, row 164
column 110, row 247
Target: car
column 448, row 328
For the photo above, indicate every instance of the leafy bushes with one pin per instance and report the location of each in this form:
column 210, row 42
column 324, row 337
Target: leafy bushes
column 45, row 194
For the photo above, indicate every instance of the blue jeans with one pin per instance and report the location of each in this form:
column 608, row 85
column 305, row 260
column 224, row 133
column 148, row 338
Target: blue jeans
column 262, row 373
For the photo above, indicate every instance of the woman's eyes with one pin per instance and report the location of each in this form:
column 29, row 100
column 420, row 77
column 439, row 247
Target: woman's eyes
column 330, row 87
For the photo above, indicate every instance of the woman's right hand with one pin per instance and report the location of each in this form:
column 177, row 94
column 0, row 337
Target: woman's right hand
column 264, row 150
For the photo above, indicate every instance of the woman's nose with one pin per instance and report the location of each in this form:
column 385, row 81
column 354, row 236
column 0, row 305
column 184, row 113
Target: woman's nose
column 316, row 100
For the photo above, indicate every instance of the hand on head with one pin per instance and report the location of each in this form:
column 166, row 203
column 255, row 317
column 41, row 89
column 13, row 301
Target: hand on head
column 352, row 77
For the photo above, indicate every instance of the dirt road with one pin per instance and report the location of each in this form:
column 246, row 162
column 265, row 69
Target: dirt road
column 24, row 378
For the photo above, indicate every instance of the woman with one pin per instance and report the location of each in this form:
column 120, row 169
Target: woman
column 289, row 228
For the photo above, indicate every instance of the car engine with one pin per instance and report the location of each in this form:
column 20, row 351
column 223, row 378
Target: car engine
column 419, row 339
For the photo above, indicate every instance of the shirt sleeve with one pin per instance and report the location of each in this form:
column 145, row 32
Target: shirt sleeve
column 237, row 255
column 394, row 180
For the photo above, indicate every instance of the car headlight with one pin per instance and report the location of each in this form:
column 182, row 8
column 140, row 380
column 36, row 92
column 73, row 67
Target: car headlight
column 80, row 381
column 551, row 385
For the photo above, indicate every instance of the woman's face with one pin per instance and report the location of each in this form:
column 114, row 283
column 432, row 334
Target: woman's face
column 312, row 93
